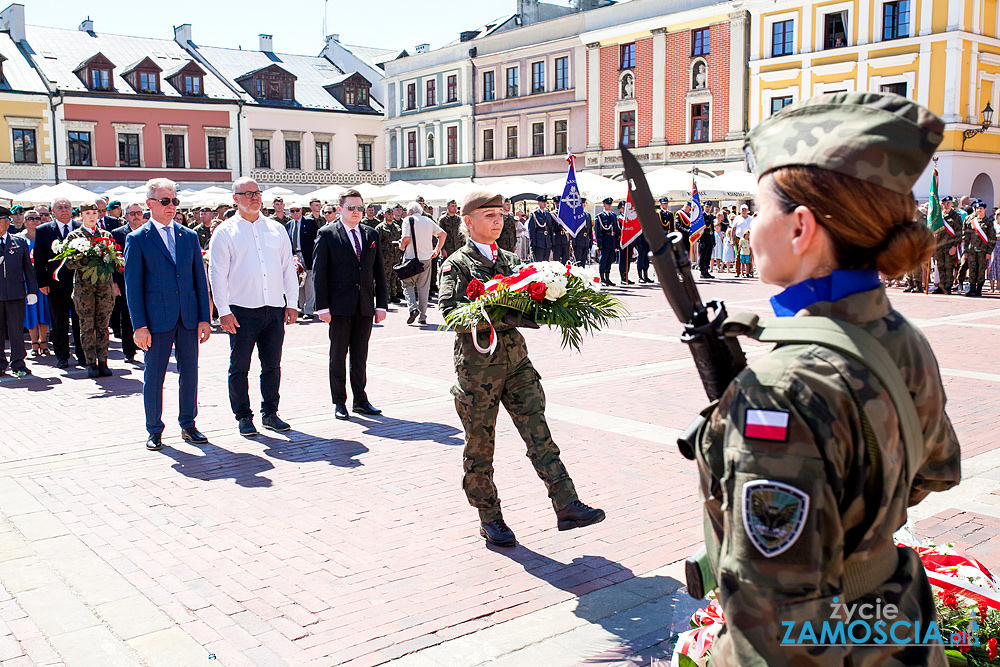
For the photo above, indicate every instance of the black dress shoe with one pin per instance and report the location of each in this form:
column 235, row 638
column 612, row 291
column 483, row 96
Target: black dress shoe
column 247, row 429
column 414, row 314
column 497, row 533
column 366, row 408
column 607, row 281
column 578, row 515
column 102, row 368
column 193, row 435
column 153, row 442
column 62, row 363
column 93, row 371
column 275, row 423
column 340, row 412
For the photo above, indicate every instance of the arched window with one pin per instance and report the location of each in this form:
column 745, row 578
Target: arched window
column 430, row 146
column 699, row 75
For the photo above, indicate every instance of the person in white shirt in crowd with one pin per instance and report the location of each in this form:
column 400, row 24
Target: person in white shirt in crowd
column 256, row 292
column 740, row 225
column 419, row 231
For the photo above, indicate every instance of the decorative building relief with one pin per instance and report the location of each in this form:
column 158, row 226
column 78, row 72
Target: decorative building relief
column 298, row 177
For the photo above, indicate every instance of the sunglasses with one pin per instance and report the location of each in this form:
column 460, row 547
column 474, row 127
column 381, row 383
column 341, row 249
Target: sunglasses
column 32, row 217
column 250, row 194
column 135, row 212
column 353, row 208
column 293, row 210
column 330, row 212
column 167, row 201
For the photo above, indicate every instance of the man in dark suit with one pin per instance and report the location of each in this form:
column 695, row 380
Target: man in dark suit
column 59, row 290
column 17, row 281
column 541, row 227
column 167, row 294
column 121, row 321
column 302, row 233
column 350, row 292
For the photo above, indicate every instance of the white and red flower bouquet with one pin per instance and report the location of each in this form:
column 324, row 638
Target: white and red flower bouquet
column 547, row 293
column 95, row 259
column 300, row 270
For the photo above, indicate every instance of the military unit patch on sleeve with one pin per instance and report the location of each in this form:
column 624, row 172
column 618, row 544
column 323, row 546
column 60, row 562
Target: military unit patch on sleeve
column 774, row 515
column 766, row 425
column 446, row 268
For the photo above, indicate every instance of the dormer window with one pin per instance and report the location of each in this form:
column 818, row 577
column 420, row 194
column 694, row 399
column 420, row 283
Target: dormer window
column 271, row 83
column 143, row 76
column 100, row 79
column 95, row 72
column 352, row 90
column 355, row 96
column 192, row 85
column 188, row 79
column 149, row 82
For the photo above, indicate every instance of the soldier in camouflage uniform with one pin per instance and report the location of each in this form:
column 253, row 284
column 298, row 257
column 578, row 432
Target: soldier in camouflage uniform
column 980, row 239
column 94, row 302
column 204, row 227
column 799, row 508
column 508, row 235
column 946, row 245
column 389, row 232
column 504, row 376
column 451, row 223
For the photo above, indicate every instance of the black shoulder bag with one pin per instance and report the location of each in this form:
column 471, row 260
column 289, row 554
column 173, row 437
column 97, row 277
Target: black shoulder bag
column 410, row 267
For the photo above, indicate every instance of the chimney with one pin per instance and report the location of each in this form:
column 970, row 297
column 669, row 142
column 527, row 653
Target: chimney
column 422, row 48
column 528, row 11
column 335, row 37
column 267, row 43
column 87, row 25
column 12, row 20
column 183, row 34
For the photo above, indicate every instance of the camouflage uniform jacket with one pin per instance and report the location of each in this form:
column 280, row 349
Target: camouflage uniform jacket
column 973, row 242
column 822, row 455
column 388, row 233
column 79, row 233
column 944, row 240
column 508, row 235
column 204, row 234
column 464, row 265
column 451, row 224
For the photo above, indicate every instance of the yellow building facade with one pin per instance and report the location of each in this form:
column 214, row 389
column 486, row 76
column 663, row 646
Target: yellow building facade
column 945, row 54
column 27, row 154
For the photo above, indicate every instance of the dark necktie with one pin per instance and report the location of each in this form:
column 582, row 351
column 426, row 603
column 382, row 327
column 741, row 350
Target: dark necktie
column 64, row 233
column 3, row 244
column 357, row 243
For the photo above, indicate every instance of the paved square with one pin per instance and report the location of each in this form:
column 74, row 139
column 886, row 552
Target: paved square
column 352, row 542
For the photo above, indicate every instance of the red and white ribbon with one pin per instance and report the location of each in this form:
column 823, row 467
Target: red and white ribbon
column 696, row 643
column 55, row 274
column 979, row 231
column 493, row 335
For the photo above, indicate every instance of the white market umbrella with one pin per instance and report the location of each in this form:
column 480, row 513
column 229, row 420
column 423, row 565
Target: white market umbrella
column 329, row 193
column 730, row 185
column 46, row 194
column 267, row 196
column 118, row 192
column 674, row 183
column 514, row 185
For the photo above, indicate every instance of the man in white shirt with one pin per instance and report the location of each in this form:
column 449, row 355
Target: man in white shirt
column 742, row 224
column 424, row 229
column 256, row 293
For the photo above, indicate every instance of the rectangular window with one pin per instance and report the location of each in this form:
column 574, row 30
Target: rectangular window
column 100, row 79
column 512, row 78
column 362, row 95
column 559, row 145
column 626, row 127
column 364, row 157
column 323, row 156
column 24, row 147
column 216, row 152
column 779, row 103
column 147, row 82
column 699, row 123
column 192, row 85
column 897, row 88
column 174, row 146
column 488, row 144
column 128, row 150
column 350, row 96
column 452, row 145
column 538, row 77
column 453, row 88
column 489, row 90
column 286, row 91
column 896, row 19
column 293, row 154
column 79, row 149
column 262, row 154
column 260, row 87
column 431, row 93
column 835, row 30
column 538, row 138
column 511, row 141
column 562, row 73
column 699, row 42
column 627, row 56
column 782, row 38
column 411, row 96
column 411, row 149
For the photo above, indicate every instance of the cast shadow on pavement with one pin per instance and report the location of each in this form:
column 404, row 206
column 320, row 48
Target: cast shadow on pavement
column 401, row 429
column 117, row 386
column 307, row 448
column 643, row 613
column 216, row 463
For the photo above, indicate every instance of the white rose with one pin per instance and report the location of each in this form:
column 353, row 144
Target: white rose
column 555, row 288
column 57, row 247
column 79, row 244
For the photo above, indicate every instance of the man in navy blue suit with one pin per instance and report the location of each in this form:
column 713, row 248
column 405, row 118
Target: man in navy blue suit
column 167, row 294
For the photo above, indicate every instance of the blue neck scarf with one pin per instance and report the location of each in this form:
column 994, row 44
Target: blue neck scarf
column 833, row 287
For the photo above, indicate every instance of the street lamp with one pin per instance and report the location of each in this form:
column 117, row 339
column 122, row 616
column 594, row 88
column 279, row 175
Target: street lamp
column 987, row 121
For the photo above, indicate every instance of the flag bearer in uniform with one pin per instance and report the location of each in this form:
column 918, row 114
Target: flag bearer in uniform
column 608, row 235
column 980, row 239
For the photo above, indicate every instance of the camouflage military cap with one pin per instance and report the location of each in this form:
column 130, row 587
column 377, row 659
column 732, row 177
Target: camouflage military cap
column 880, row 138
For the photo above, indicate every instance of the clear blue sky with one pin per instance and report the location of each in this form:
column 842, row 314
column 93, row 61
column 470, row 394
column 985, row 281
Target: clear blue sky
column 297, row 25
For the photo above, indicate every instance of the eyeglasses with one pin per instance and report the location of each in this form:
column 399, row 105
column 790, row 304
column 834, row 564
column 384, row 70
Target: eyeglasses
column 134, row 213
column 353, row 208
column 293, row 210
column 251, row 194
column 167, row 201
column 329, row 212
column 32, row 217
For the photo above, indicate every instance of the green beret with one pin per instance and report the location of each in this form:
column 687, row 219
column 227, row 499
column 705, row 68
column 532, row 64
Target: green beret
column 114, row 203
column 880, row 138
column 16, row 208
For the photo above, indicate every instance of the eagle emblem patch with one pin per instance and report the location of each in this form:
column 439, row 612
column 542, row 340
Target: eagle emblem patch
column 774, row 515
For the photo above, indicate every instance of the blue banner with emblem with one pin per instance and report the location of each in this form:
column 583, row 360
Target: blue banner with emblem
column 570, row 213
column 698, row 223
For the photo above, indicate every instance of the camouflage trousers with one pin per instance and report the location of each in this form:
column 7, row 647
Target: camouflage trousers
column 485, row 381
column 978, row 259
column 946, row 268
column 94, row 304
column 393, row 286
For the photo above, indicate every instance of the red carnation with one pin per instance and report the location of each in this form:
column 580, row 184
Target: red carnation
column 537, row 291
column 498, row 277
column 949, row 600
column 983, row 609
column 569, row 269
column 991, row 649
column 475, row 289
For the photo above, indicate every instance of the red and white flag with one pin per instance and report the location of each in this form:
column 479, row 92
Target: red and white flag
column 979, row 230
column 766, row 425
column 629, row 222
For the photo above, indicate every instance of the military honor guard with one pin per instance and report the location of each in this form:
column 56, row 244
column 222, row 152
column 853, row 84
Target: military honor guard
column 541, row 226
column 947, row 243
column 18, row 288
column 584, row 239
column 608, row 234
column 980, row 239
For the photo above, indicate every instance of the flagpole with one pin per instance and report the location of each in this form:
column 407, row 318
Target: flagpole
column 927, row 284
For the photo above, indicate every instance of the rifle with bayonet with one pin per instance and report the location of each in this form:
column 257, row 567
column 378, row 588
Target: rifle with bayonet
column 719, row 359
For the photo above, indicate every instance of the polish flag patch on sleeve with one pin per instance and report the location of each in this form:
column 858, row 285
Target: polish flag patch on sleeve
column 766, row 425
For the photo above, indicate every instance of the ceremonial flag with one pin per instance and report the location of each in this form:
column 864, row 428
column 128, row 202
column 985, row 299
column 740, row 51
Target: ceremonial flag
column 935, row 220
column 698, row 223
column 570, row 213
column 629, row 222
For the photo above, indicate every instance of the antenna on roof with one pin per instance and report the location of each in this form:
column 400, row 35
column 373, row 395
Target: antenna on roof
column 326, row 4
